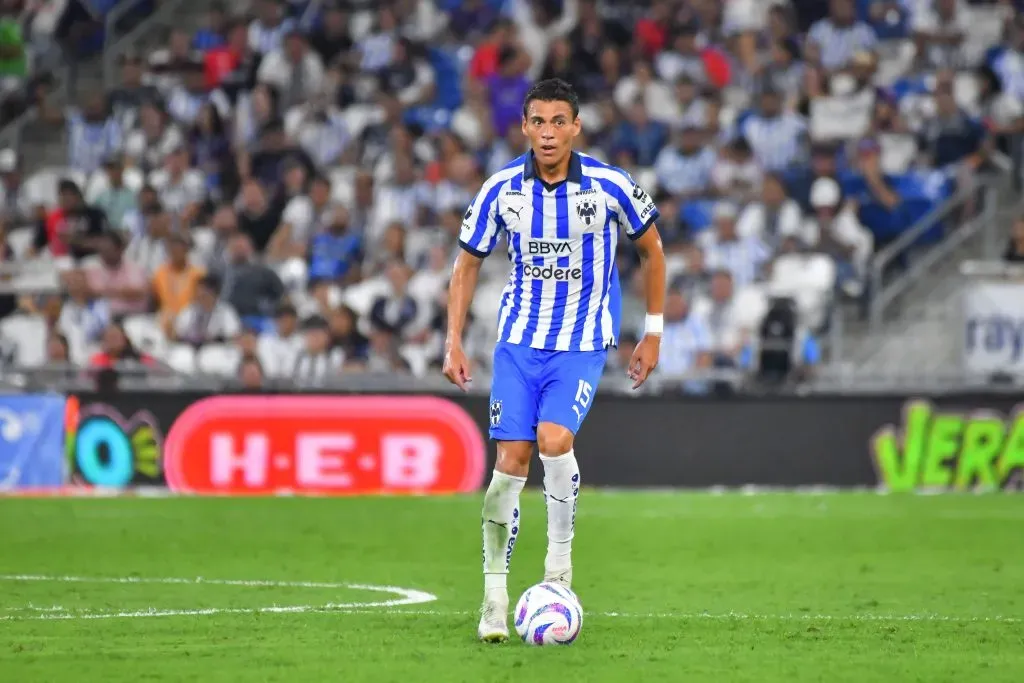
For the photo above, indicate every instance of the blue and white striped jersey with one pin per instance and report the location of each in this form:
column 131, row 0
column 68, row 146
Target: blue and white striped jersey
column 562, row 292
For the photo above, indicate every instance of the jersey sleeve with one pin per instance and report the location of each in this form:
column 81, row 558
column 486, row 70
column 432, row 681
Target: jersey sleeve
column 636, row 209
column 479, row 231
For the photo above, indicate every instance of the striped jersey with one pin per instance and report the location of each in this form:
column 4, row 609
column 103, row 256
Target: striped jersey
column 562, row 293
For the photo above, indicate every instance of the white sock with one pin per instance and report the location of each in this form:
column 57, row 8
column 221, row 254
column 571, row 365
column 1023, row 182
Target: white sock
column 500, row 529
column 561, row 487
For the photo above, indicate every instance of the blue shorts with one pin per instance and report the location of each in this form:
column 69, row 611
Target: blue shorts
column 531, row 386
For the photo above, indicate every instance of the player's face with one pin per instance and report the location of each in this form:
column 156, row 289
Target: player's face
column 551, row 128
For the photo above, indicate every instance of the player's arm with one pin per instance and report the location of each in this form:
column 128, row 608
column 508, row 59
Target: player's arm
column 637, row 213
column 465, row 274
column 477, row 238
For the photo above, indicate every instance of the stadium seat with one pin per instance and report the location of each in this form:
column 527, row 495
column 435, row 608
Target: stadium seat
column 20, row 241
column 145, row 334
column 26, row 333
column 218, row 360
column 182, row 358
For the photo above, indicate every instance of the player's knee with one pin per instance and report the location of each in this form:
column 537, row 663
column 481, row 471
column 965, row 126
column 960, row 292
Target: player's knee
column 553, row 439
column 514, row 457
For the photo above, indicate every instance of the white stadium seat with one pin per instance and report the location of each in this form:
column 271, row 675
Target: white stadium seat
column 145, row 334
column 182, row 358
column 218, row 360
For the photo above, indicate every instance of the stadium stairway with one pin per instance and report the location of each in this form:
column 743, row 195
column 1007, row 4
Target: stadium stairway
column 41, row 144
column 917, row 340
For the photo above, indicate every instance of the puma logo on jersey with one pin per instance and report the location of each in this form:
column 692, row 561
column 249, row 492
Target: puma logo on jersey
column 516, row 212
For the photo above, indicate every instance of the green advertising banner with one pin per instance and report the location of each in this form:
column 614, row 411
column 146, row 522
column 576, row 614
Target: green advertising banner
column 951, row 450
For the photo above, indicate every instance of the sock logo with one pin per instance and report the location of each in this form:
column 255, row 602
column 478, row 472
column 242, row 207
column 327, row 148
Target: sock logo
column 512, row 538
column 495, row 413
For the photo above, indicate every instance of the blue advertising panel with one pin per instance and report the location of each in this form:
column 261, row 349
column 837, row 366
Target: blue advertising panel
column 31, row 441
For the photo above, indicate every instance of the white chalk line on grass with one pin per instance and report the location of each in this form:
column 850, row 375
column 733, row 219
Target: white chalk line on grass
column 406, row 597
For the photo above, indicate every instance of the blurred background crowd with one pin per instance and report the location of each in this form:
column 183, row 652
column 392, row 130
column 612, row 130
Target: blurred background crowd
column 275, row 196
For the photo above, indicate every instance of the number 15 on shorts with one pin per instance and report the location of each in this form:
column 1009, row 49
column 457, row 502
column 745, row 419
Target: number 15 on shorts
column 583, row 396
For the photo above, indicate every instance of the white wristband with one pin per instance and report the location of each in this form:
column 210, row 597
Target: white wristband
column 654, row 324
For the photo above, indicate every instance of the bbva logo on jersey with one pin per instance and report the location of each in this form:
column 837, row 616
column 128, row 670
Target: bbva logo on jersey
column 587, row 211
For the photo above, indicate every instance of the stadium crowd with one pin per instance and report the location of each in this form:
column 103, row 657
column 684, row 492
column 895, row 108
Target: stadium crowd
column 277, row 196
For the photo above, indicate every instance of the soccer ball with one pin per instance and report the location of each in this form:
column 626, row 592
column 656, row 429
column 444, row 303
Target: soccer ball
column 548, row 614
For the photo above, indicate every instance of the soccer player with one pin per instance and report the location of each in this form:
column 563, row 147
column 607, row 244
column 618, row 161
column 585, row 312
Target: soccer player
column 561, row 212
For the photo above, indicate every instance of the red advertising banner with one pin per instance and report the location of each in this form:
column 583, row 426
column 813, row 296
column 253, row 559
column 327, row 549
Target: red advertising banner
column 324, row 445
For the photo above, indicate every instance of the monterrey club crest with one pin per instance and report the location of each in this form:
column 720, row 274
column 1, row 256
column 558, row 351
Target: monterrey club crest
column 587, row 211
column 495, row 413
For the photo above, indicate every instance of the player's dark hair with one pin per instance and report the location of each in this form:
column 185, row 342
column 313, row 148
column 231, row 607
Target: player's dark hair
column 553, row 90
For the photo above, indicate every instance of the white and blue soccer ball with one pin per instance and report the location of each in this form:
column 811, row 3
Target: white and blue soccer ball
column 548, row 614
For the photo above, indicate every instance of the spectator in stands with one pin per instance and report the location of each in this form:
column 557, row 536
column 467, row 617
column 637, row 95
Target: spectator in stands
column 785, row 71
column 684, row 169
column 640, row 136
column 952, row 136
column 316, row 361
column 146, row 245
column 94, row 133
column 16, row 201
column 824, row 164
column 724, row 249
column 321, row 131
column 116, row 279
column 507, row 89
column 185, row 99
column 683, row 59
column 182, row 189
column 686, row 345
column 335, row 253
column 832, row 42
column 168, row 64
column 940, row 27
column 346, row 337
column 1001, row 113
column 259, row 215
column 777, row 137
column 408, row 76
column 642, row 84
column 303, row 217
column 873, row 190
column 279, row 345
column 213, row 33
column 13, row 52
column 231, row 67
column 250, row 287
column 224, row 226
column 835, row 231
column 115, row 199
column 772, row 218
column 398, row 313
column 58, row 351
column 211, row 150
column 71, row 230
column 83, row 317
column 268, row 30
column 331, row 39
column 718, row 310
column 207, row 319
column 116, row 348
column 250, row 374
column 155, row 138
column 1015, row 248
column 294, row 70
column 175, row 281
column 127, row 99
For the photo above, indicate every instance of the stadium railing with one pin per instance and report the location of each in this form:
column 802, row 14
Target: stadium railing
column 115, row 47
column 886, row 290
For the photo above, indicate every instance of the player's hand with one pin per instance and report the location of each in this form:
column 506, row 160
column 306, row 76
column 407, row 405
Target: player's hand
column 456, row 366
column 644, row 360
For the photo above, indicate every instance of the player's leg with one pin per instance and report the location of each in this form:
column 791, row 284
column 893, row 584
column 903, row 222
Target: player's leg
column 513, row 416
column 568, row 394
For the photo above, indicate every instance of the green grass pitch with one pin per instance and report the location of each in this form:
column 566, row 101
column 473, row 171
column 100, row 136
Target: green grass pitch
column 676, row 587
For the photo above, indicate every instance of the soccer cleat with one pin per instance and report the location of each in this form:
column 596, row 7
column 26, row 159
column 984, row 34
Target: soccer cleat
column 493, row 626
column 562, row 577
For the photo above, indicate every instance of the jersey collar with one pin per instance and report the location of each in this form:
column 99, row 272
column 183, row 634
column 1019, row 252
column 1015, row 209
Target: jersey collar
column 575, row 171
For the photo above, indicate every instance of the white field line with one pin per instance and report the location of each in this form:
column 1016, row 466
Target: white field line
column 407, row 597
